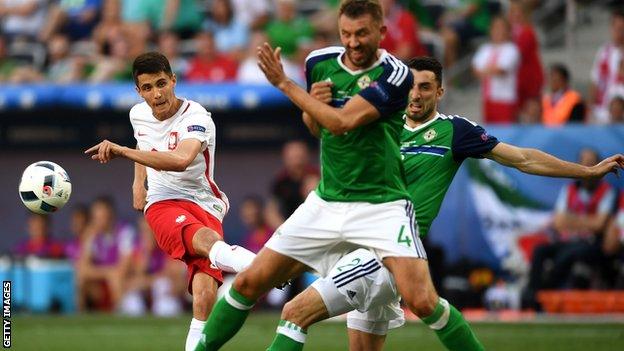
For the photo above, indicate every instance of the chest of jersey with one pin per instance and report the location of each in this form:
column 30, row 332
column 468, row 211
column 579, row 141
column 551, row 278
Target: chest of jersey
column 159, row 136
column 345, row 84
column 427, row 153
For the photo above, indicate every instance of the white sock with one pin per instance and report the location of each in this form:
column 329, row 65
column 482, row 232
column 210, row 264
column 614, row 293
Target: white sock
column 230, row 258
column 194, row 334
column 292, row 331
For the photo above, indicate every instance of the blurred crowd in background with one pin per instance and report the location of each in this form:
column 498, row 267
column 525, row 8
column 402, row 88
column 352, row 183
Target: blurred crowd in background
column 65, row 41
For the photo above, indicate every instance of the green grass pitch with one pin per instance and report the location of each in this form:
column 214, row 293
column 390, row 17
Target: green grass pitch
column 107, row 332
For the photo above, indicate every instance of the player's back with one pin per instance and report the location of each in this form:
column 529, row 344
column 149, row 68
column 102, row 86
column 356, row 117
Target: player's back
column 363, row 164
column 196, row 183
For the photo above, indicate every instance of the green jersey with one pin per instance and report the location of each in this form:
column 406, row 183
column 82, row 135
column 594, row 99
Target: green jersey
column 432, row 154
column 363, row 164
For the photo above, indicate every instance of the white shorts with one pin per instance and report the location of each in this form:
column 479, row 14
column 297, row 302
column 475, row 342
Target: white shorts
column 320, row 232
column 361, row 285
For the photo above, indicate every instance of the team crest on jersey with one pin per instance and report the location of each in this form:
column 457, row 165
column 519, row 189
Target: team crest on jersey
column 173, row 140
column 364, row 81
column 430, row 134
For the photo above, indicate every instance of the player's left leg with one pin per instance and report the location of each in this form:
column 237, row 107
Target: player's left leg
column 415, row 286
column 204, row 288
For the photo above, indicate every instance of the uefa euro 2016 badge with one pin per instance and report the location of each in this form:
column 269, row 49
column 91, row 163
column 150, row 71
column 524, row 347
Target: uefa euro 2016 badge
column 364, row 81
column 430, row 135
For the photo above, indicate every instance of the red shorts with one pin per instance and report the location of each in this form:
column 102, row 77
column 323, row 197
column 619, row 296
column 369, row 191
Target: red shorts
column 174, row 222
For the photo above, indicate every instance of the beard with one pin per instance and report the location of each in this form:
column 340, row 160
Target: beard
column 362, row 57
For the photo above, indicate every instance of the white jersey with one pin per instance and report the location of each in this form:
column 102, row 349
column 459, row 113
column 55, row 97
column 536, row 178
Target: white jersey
column 196, row 183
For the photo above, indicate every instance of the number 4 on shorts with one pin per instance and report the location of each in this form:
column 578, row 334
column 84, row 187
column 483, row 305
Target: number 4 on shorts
column 404, row 238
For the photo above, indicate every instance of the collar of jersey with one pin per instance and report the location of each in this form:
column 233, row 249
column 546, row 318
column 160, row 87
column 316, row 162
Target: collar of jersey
column 424, row 125
column 383, row 55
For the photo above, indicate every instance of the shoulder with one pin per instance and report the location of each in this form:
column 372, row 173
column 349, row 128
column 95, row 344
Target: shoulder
column 395, row 71
column 320, row 55
column 195, row 108
column 458, row 121
column 140, row 110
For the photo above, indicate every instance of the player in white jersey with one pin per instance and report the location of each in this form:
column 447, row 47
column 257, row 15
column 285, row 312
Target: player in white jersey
column 183, row 206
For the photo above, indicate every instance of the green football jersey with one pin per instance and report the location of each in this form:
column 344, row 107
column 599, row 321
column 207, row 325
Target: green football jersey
column 363, row 164
column 432, row 154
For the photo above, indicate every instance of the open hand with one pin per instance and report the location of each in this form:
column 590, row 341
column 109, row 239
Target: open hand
column 270, row 63
column 104, row 151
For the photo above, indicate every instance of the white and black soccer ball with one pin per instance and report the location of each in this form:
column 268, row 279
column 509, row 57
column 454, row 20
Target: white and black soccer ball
column 45, row 187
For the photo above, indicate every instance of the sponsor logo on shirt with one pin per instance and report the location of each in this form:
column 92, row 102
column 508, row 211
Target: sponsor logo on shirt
column 196, row 128
column 180, row 219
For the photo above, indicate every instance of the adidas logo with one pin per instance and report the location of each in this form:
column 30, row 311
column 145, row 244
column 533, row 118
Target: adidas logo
column 351, row 293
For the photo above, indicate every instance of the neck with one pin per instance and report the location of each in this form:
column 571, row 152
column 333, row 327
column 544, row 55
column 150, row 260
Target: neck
column 174, row 109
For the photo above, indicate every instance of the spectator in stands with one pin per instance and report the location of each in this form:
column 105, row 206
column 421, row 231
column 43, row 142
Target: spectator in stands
column 22, row 19
column 105, row 259
column 255, row 14
column 605, row 71
column 530, row 74
column 7, row 64
column 462, row 21
column 616, row 109
column 169, row 45
column 614, row 235
column 581, row 215
column 209, row 65
column 496, row 64
column 401, row 37
column 561, row 104
column 286, row 187
column 249, row 72
column 290, row 31
column 76, row 19
column 63, row 67
column 531, row 112
column 153, row 279
column 152, row 16
column 252, row 215
column 39, row 243
column 231, row 35
column 118, row 64
column 77, row 227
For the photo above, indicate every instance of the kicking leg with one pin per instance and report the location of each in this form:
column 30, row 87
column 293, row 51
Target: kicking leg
column 229, row 258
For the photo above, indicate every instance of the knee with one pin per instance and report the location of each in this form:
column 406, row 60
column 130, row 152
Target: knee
column 247, row 285
column 421, row 302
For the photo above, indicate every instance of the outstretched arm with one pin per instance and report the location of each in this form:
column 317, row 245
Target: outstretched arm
column 537, row 162
column 176, row 160
column 356, row 112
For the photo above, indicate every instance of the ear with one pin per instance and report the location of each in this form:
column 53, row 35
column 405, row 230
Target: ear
column 174, row 79
column 440, row 93
column 383, row 30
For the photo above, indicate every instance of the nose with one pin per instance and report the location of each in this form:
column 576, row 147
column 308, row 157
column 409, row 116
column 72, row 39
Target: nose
column 353, row 42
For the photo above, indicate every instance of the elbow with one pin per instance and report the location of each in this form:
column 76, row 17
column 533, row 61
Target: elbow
column 180, row 165
column 339, row 128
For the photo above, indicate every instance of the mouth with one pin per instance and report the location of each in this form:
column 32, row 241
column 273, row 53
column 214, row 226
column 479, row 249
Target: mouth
column 160, row 104
column 414, row 107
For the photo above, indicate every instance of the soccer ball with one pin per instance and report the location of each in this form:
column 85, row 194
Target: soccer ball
column 45, row 187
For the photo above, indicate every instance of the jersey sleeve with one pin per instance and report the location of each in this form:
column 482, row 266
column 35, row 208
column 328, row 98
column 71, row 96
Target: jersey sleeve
column 196, row 126
column 390, row 91
column 470, row 139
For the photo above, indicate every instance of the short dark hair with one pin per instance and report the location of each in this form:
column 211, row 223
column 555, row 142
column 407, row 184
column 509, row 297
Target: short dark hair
column 357, row 8
column 150, row 63
column 562, row 70
column 427, row 63
column 617, row 12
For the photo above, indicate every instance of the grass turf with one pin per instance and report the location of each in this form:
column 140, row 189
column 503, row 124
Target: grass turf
column 106, row 332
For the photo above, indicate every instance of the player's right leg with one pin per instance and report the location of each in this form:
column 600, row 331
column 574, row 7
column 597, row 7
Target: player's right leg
column 268, row 270
column 204, row 291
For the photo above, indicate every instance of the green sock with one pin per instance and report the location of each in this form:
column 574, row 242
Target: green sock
column 226, row 318
column 290, row 337
column 452, row 329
